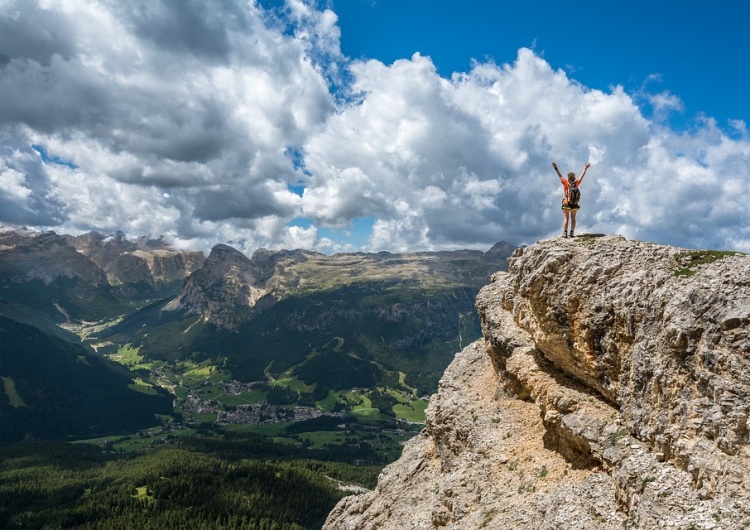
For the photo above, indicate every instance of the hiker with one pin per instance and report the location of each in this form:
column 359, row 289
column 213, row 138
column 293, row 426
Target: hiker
column 570, row 204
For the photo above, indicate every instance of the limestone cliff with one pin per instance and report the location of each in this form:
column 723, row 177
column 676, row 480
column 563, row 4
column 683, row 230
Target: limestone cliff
column 611, row 390
column 226, row 280
column 27, row 256
column 149, row 262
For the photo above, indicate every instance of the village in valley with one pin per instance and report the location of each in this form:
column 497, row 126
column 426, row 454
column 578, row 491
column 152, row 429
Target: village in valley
column 261, row 413
column 207, row 399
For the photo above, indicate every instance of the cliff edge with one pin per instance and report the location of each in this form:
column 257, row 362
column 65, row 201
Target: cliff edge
column 611, row 390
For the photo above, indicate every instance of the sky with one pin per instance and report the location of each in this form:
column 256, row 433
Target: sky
column 369, row 125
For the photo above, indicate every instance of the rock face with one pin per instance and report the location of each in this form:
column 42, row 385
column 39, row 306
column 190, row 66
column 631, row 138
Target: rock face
column 88, row 277
column 228, row 280
column 95, row 259
column 44, row 256
column 610, row 390
column 149, row 262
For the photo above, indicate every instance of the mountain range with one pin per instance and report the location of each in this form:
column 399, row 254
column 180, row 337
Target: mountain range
column 327, row 322
column 89, row 277
column 370, row 317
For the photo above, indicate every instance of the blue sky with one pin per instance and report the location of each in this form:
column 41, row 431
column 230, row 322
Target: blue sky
column 368, row 125
column 695, row 49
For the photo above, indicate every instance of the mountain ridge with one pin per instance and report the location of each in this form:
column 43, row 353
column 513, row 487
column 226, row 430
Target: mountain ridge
column 88, row 277
column 273, row 309
column 234, row 280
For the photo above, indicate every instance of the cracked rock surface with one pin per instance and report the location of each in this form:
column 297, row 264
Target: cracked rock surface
column 611, row 389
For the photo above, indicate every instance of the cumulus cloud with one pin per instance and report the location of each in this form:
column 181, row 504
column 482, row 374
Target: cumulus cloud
column 465, row 160
column 225, row 122
column 202, row 100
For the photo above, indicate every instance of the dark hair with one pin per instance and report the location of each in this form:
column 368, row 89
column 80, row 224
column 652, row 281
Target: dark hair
column 571, row 176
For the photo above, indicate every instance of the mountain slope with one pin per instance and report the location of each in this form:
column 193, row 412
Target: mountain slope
column 38, row 319
column 54, row 389
column 42, row 271
column 144, row 266
column 91, row 277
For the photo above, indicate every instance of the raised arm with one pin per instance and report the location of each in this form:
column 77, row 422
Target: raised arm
column 585, row 168
column 554, row 165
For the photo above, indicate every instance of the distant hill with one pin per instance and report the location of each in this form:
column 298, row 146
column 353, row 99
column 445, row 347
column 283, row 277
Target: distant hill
column 51, row 388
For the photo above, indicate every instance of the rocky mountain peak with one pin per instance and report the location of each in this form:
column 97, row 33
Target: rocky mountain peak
column 45, row 256
column 501, row 247
column 100, row 248
column 225, row 252
column 222, row 289
column 609, row 391
column 229, row 284
column 267, row 259
column 147, row 261
column 227, row 261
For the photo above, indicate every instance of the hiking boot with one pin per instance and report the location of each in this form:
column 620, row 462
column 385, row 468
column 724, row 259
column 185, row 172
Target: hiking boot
column 565, row 233
column 571, row 233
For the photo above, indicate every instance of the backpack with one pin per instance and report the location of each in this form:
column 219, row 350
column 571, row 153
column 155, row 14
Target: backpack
column 574, row 194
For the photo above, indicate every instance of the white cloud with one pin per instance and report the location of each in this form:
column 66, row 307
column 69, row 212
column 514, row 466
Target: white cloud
column 13, row 184
column 192, row 119
column 470, row 157
column 142, row 97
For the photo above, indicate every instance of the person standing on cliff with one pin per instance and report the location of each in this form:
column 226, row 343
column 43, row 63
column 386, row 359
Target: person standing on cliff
column 570, row 204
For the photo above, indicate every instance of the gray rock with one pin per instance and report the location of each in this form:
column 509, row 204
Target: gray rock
column 609, row 391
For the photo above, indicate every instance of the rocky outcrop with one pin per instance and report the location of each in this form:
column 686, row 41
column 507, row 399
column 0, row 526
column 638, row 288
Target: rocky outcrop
column 610, row 390
column 158, row 269
column 145, row 262
column 226, row 285
column 96, row 259
column 45, row 256
column 100, row 248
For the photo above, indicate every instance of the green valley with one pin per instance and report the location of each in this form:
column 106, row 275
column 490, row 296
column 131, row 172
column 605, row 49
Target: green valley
column 286, row 409
column 254, row 396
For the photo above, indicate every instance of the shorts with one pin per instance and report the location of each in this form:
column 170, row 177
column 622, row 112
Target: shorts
column 566, row 207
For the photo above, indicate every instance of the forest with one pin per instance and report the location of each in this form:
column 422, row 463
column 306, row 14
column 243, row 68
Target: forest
column 197, row 486
column 63, row 390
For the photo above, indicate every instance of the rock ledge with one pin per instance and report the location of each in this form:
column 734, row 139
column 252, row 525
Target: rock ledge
column 611, row 390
